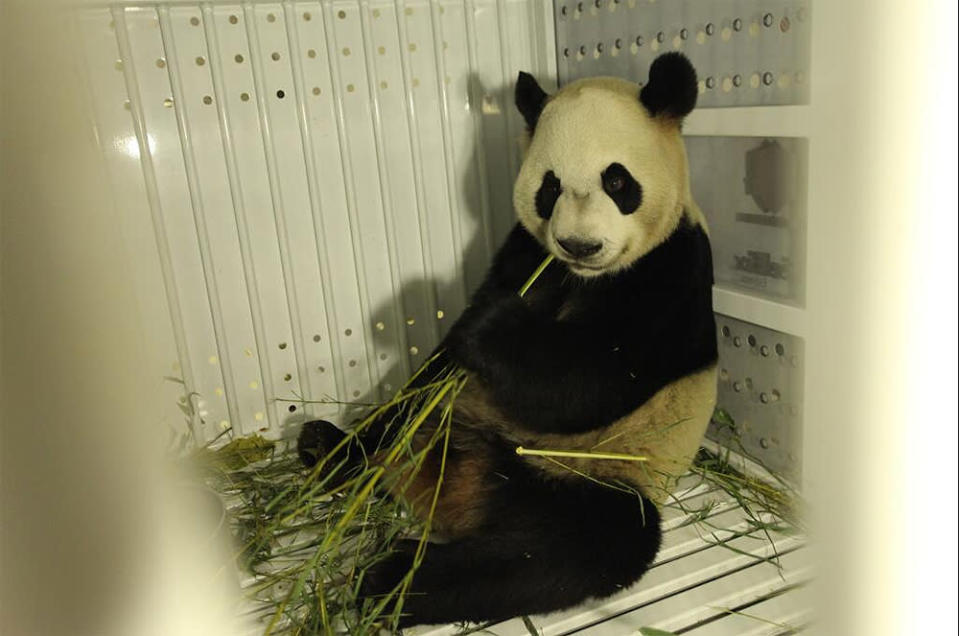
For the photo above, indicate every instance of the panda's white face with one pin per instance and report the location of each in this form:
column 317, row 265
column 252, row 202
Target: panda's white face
column 603, row 182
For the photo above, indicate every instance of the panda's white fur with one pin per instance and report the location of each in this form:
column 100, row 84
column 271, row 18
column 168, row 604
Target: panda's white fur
column 586, row 126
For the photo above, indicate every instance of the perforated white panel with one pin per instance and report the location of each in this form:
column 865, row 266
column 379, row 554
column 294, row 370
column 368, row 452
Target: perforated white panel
column 746, row 52
column 324, row 185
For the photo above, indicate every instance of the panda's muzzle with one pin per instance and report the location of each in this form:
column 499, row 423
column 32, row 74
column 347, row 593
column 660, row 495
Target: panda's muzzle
column 579, row 249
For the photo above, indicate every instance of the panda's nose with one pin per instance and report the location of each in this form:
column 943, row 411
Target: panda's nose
column 578, row 248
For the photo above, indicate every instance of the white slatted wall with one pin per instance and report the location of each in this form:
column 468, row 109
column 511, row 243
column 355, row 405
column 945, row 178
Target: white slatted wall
column 324, row 185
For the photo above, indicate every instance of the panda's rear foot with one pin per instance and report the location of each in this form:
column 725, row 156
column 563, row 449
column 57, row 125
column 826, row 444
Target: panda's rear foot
column 316, row 440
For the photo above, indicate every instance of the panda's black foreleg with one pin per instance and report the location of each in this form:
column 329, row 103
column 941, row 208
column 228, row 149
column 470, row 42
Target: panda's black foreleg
column 580, row 543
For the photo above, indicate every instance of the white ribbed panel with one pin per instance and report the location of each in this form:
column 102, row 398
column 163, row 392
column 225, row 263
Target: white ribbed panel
column 325, row 185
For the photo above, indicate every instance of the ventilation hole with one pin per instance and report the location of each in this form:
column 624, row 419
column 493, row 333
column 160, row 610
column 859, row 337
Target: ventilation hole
column 416, row 82
column 618, row 43
column 737, row 341
column 749, row 383
column 412, row 47
column 348, row 332
column 126, row 104
column 738, row 24
column 287, row 377
column 282, row 345
column 763, row 442
column 775, row 395
column 238, row 58
column 342, row 15
column 684, row 34
column 767, row 78
column 316, row 90
column 764, row 350
column 270, row 17
column 710, row 83
column 168, row 103
column 376, row 13
column 311, row 53
column 292, row 408
column 411, row 321
column 245, row 97
column 307, row 16
column 200, row 61
column 710, row 29
column 195, row 21
column 350, row 88
column 316, row 338
column 356, row 394
column 725, row 332
column 414, row 350
column 380, row 326
column 275, row 56
column 768, row 20
column 118, row 65
column 346, row 51
column 234, row 19
column 254, row 384
column 752, row 340
column 566, row 52
column 381, row 50
column 207, row 100
column 280, row 94
column 737, row 387
column 439, row 314
column 384, row 85
column 408, row 11
column 248, row 352
column 737, row 80
column 321, row 369
column 352, row 363
column 723, row 375
column 383, row 356
column 764, row 398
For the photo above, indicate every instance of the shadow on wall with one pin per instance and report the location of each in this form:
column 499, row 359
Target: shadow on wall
column 493, row 217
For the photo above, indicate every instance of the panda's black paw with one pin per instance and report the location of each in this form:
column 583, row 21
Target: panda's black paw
column 384, row 577
column 482, row 330
column 317, row 439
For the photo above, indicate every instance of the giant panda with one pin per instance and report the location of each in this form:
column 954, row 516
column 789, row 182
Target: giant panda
column 612, row 350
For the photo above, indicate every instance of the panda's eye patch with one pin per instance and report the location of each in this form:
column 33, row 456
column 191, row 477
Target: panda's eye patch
column 547, row 194
column 622, row 188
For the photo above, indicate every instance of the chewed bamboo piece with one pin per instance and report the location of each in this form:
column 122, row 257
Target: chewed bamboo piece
column 580, row 455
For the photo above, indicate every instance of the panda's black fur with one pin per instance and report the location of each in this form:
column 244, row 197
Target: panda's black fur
column 572, row 356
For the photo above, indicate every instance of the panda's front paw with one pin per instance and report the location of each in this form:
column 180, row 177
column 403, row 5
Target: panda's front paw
column 384, row 577
column 479, row 334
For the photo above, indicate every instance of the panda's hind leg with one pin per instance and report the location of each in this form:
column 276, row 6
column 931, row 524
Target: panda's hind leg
column 544, row 546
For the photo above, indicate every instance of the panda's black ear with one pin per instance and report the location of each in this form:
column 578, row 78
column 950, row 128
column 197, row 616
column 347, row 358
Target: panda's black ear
column 530, row 99
column 672, row 89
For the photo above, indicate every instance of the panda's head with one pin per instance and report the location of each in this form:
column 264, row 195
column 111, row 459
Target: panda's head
column 604, row 180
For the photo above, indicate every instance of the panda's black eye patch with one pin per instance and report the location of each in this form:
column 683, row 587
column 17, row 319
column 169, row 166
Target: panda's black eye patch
column 622, row 188
column 547, row 194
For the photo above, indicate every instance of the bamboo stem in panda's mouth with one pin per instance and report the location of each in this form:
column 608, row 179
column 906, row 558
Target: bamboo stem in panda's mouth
column 559, row 453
